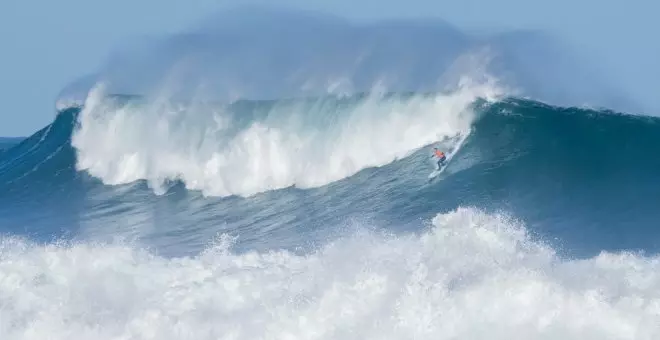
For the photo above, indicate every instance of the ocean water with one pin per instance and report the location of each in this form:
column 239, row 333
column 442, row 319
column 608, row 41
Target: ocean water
column 315, row 219
column 142, row 217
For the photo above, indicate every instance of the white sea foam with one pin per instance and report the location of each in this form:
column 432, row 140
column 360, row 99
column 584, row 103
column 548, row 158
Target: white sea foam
column 470, row 276
column 293, row 144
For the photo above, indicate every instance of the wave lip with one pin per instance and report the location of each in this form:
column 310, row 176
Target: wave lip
column 471, row 275
column 223, row 153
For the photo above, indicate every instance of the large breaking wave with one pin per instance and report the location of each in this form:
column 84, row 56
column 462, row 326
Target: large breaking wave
column 241, row 150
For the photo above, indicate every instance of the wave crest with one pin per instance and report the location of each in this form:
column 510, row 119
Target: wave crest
column 228, row 151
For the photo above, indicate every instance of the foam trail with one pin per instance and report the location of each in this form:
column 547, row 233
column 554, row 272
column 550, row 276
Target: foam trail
column 224, row 153
column 8, row 163
column 471, row 276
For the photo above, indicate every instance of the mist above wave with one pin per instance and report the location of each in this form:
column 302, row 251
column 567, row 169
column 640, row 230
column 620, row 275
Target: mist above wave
column 270, row 53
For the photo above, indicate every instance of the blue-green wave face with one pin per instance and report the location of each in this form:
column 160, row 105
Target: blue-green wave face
column 285, row 214
column 559, row 169
column 6, row 143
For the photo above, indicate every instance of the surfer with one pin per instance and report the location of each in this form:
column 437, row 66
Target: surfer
column 441, row 157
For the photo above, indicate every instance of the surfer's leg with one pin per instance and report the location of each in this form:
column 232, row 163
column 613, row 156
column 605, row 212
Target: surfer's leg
column 441, row 162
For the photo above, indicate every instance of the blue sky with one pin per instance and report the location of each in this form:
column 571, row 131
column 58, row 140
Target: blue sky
column 47, row 44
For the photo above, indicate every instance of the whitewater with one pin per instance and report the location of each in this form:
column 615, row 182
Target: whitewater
column 469, row 275
column 302, row 144
column 302, row 208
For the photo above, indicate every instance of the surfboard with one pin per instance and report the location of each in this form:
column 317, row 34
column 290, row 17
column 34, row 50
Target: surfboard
column 436, row 172
column 450, row 155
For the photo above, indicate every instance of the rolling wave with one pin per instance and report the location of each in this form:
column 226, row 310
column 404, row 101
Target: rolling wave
column 238, row 150
column 556, row 168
